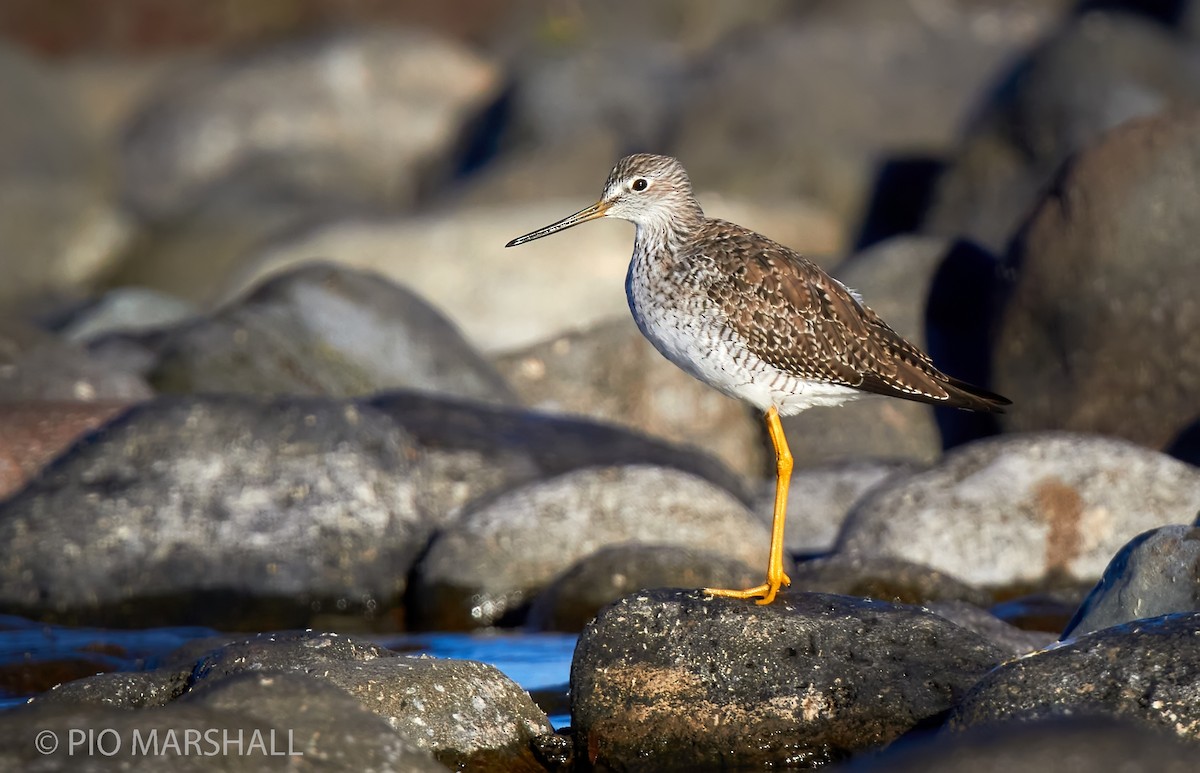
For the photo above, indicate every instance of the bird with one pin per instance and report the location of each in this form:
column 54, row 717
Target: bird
column 755, row 320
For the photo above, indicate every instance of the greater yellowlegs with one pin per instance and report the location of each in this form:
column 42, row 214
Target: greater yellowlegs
column 755, row 320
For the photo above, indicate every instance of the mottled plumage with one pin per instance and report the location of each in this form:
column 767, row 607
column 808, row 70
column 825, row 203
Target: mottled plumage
column 754, row 319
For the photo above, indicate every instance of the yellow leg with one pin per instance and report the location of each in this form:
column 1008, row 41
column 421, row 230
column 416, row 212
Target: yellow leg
column 783, row 472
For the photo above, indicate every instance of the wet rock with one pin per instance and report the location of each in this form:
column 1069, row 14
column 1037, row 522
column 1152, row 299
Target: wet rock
column 1097, row 334
column 1025, row 509
column 308, row 652
column 1101, row 69
column 1156, row 573
column 121, row 689
column 67, row 737
column 1066, row 745
column 313, row 115
column 499, row 554
column 668, row 680
column 611, row 573
column 894, row 278
column 883, row 578
column 612, row 373
column 471, row 451
column 60, row 227
column 464, row 712
column 1011, row 639
column 824, row 140
column 221, row 509
column 1147, row 672
column 325, row 330
column 32, row 433
column 126, row 310
column 508, row 299
column 36, row 365
column 329, row 727
column 820, row 497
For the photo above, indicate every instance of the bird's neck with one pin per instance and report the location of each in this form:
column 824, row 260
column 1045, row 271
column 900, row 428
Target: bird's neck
column 660, row 239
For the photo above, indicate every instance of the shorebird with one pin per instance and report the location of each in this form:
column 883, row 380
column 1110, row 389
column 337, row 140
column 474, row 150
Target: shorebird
column 755, row 320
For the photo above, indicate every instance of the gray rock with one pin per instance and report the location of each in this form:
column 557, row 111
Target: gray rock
column 1024, row 510
column 468, row 714
column 1098, row 71
column 509, row 299
column 121, row 689
column 329, row 331
column 471, row 452
column 1112, row 353
column 894, row 278
column 502, row 552
column 1146, row 672
column 836, row 115
column 883, row 578
column 820, row 497
column 307, row 652
column 45, row 737
column 325, row 724
column 1011, row 639
column 1063, row 745
column 612, row 373
column 367, row 115
column 462, row 711
column 126, row 310
column 1156, row 573
column 60, row 227
column 669, row 680
column 223, row 507
column 611, row 573
column 36, row 365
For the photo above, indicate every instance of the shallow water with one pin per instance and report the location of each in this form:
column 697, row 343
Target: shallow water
column 539, row 662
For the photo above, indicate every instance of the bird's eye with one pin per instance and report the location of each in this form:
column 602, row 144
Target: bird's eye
column 640, row 184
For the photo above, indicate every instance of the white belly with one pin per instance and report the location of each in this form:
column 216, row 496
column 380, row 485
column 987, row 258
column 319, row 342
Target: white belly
column 711, row 354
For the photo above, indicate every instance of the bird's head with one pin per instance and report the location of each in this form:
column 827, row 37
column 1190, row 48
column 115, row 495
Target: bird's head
column 653, row 192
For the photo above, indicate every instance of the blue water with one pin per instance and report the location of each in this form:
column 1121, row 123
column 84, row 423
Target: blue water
column 539, row 662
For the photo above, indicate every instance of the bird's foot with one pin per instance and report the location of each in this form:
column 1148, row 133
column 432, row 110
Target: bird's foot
column 765, row 593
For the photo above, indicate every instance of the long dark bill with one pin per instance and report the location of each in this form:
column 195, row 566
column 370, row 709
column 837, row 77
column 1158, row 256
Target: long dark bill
column 582, row 216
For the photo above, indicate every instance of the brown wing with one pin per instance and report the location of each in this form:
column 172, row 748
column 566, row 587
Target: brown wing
column 799, row 319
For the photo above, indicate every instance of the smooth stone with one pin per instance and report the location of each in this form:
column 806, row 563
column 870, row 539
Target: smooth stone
column 883, row 578
column 34, row 432
column 1099, row 70
column 60, row 225
column 120, row 689
column 464, row 712
column 470, row 452
column 670, row 680
column 1113, row 352
column 126, row 310
column 315, row 114
column 610, row 372
column 828, row 139
column 820, row 497
column 1024, row 510
column 222, row 509
column 593, row 582
column 36, row 365
column 509, row 299
column 1062, row 745
column 485, row 567
column 1015, row 641
column 1147, row 672
column 1156, row 573
column 324, row 723
column 322, row 329
column 157, row 734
